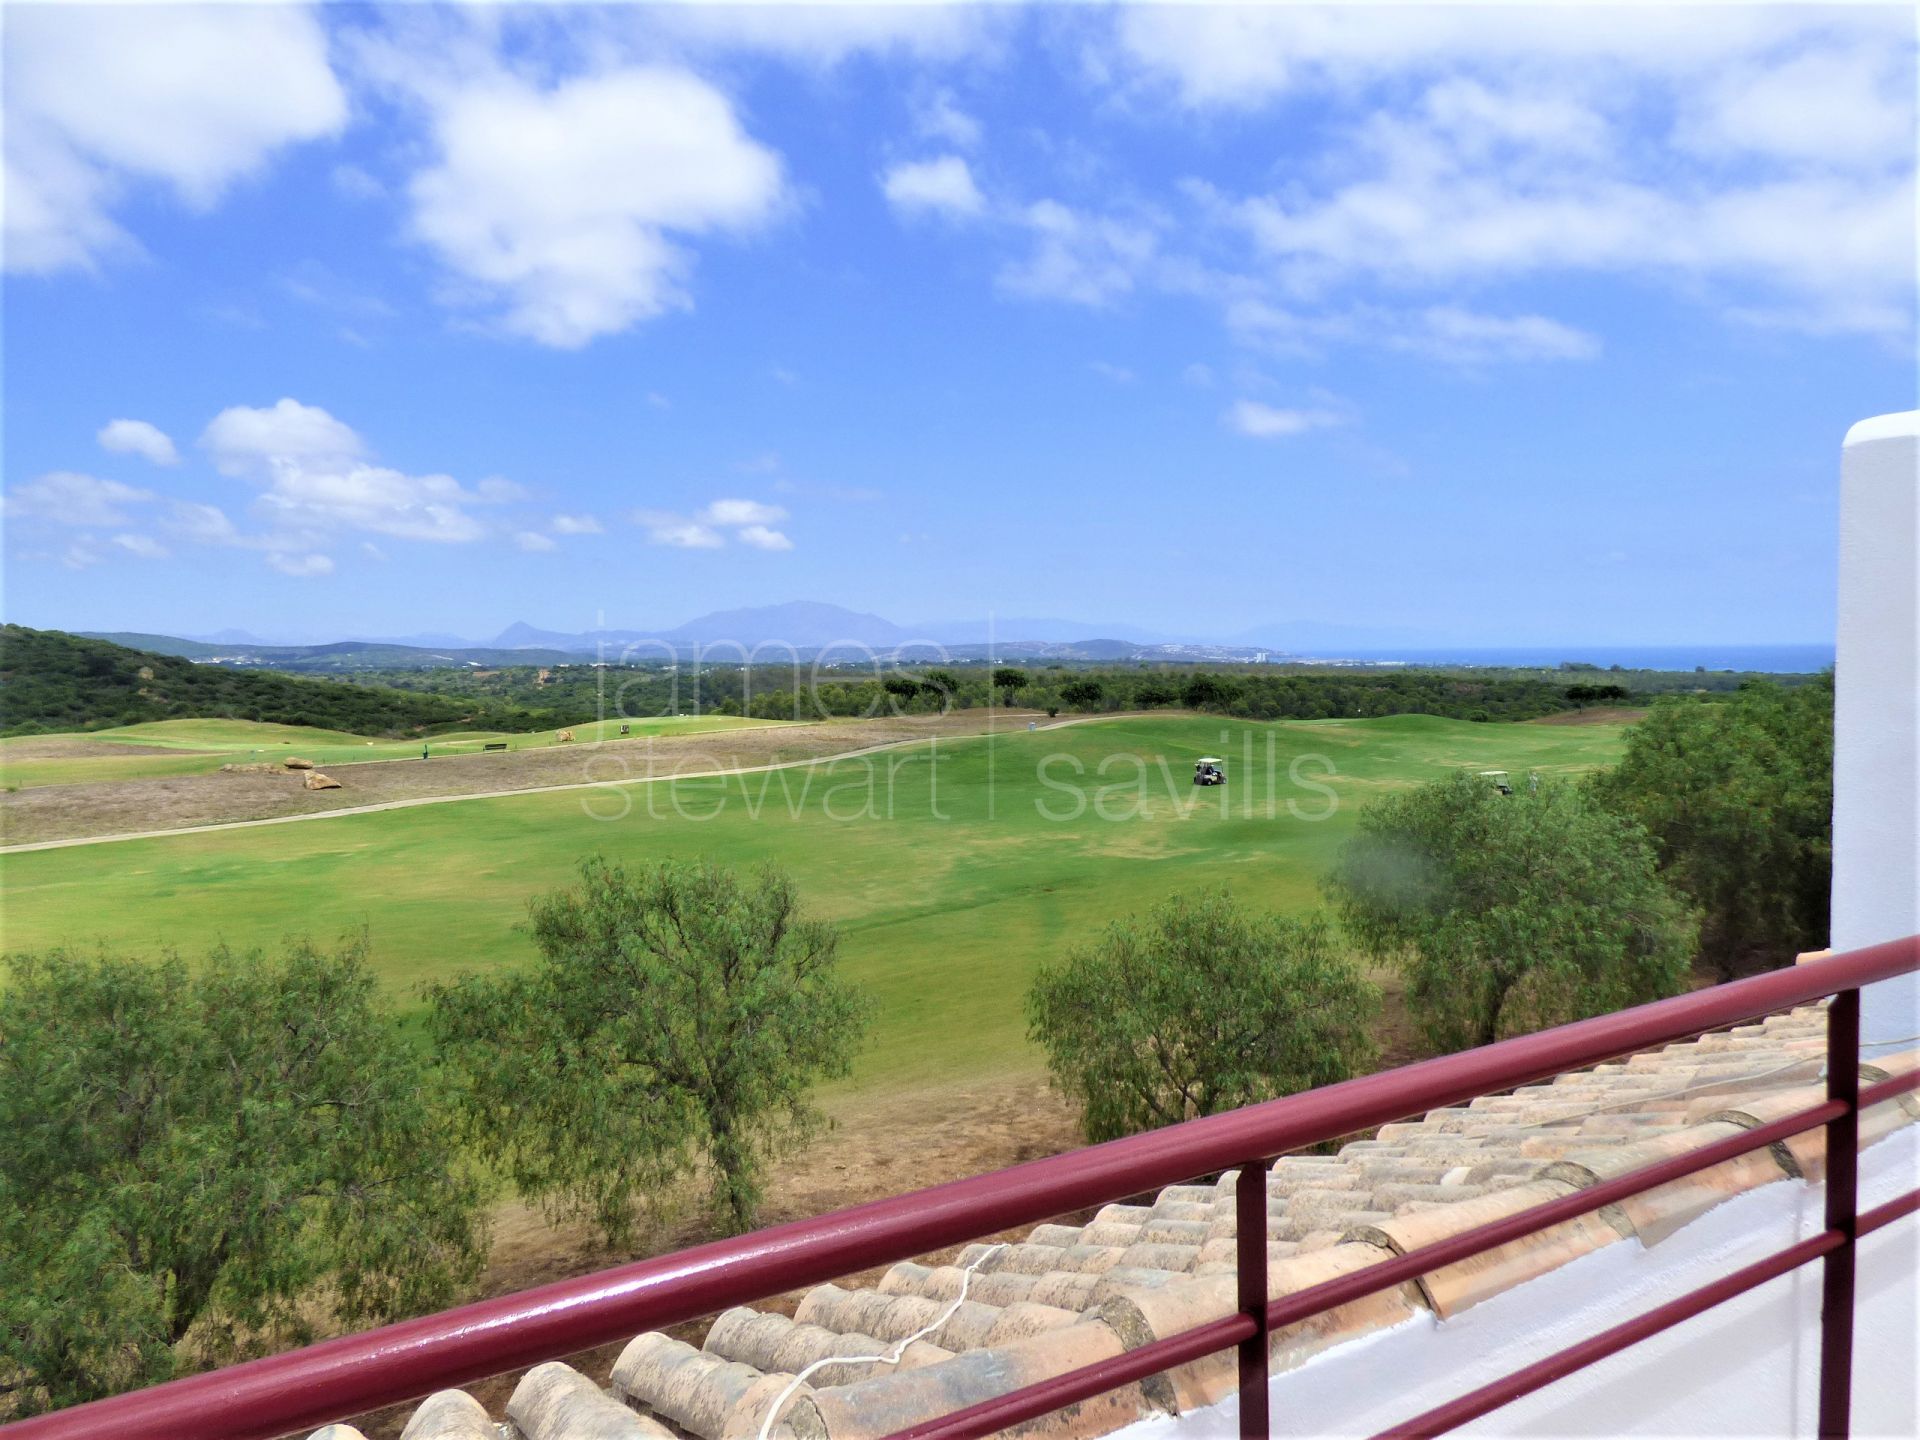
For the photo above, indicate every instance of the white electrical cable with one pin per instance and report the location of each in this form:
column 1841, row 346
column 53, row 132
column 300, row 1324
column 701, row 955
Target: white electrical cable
column 1675, row 1094
column 892, row 1357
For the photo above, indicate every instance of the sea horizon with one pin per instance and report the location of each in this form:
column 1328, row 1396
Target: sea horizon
column 1802, row 659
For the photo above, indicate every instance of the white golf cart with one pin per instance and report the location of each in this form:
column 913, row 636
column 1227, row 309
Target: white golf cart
column 1207, row 771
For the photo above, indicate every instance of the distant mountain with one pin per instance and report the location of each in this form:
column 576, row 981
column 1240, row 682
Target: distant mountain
column 1009, row 629
column 809, row 625
column 430, row 640
column 158, row 644
column 522, row 636
column 802, row 624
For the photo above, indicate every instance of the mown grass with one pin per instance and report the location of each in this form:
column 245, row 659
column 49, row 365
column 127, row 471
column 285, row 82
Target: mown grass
column 954, row 870
column 204, row 745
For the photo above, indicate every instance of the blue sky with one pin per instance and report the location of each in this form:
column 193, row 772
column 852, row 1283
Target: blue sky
column 1524, row 325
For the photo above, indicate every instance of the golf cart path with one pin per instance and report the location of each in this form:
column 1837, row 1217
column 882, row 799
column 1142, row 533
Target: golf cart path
column 419, row 800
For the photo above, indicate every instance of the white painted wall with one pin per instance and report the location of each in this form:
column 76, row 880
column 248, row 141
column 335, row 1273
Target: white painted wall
column 1750, row 1367
column 1876, row 769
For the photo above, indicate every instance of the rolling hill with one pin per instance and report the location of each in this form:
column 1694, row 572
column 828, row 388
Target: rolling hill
column 340, row 656
column 51, row 681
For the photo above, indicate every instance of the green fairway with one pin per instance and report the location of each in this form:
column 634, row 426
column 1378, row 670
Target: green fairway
column 953, row 871
column 189, row 747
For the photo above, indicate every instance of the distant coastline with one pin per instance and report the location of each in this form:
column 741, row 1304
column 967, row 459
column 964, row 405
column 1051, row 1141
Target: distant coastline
column 1771, row 659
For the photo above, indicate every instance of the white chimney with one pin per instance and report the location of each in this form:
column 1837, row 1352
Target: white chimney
column 1876, row 775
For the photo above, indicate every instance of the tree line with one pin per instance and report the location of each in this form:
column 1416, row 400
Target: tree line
column 51, row 681
column 208, row 1161
column 576, row 694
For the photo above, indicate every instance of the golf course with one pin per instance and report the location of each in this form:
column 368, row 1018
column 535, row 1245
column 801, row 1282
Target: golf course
column 973, row 860
column 193, row 747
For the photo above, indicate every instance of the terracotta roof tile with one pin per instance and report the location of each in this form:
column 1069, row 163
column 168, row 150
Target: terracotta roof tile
column 878, row 1407
column 1141, row 1318
column 556, row 1402
column 450, row 1415
column 1070, row 1294
column 1457, row 1287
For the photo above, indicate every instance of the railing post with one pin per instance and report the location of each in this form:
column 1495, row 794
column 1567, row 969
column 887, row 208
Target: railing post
column 1250, row 1254
column 1843, row 1204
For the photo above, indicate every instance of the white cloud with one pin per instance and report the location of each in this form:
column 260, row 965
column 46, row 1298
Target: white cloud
column 65, row 497
column 941, row 186
column 496, row 490
column 741, row 512
column 245, row 440
column 534, row 542
column 826, row 34
column 676, row 530
column 137, row 437
column 563, row 208
column 576, row 525
column 1250, row 55
column 1760, row 158
column 1479, row 119
column 1078, row 257
column 202, row 524
column 1451, row 333
column 762, row 538
column 750, row 522
column 1107, row 370
column 301, row 567
column 372, row 498
column 91, row 109
column 315, row 477
column 939, row 117
column 145, row 546
column 353, row 183
column 1838, row 245
column 1268, row 422
column 1833, row 105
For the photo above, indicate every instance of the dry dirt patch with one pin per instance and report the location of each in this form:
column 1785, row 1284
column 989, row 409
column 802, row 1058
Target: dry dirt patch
column 1596, row 715
column 67, row 747
column 174, row 802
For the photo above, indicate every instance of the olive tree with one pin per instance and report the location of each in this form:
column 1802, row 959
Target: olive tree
column 678, row 1013
column 1200, row 1007
column 203, row 1162
column 1082, row 694
column 1209, row 692
column 1738, row 796
column 1507, row 913
column 1006, row 677
column 940, row 686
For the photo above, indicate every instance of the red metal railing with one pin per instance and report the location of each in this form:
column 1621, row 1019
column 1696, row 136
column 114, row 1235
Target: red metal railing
column 288, row 1393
